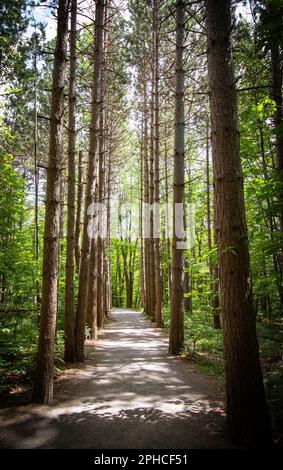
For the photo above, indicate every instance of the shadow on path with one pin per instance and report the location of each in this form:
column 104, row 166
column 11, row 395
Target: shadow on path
column 129, row 394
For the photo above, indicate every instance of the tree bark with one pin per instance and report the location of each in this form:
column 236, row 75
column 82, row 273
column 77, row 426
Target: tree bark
column 89, row 198
column 107, row 164
column 99, row 254
column 213, row 270
column 108, row 306
column 276, row 69
column 151, row 196
column 276, row 66
column 146, row 197
column 176, row 338
column 158, row 283
column 36, row 184
column 167, row 221
column 247, row 418
column 271, row 223
column 188, row 307
column 142, row 263
column 69, row 353
column 100, row 287
column 79, row 211
column 91, row 312
column 43, row 383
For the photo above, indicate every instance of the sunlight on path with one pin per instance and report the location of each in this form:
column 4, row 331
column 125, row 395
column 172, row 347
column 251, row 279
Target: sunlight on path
column 129, row 393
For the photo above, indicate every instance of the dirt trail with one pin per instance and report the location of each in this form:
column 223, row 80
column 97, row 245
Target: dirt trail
column 129, row 394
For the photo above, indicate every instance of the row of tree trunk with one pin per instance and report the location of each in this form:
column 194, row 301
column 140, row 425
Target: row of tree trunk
column 91, row 256
column 151, row 276
column 247, row 417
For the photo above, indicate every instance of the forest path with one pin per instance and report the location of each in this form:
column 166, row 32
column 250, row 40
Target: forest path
column 128, row 394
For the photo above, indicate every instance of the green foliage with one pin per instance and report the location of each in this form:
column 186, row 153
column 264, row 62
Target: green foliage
column 18, row 272
column 14, row 20
column 201, row 336
column 17, row 269
column 270, row 25
column 18, row 342
column 26, row 74
column 265, row 108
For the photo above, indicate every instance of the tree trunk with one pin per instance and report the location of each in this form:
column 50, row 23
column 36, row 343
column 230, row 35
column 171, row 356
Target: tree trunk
column 89, row 197
column 108, row 306
column 276, row 69
column 276, row 63
column 215, row 301
column 36, row 186
column 107, row 164
column 158, row 293
column 213, row 270
column 167, row 215
column 69, row 354
column 100, row 286
column 99, row 248
column 272, row 224
column 151, row 196
column 146, row 198
column 99, row 282
column 176, row 339
column 79, row 211
column 91, row 308
column 43, row 384
column 142, row 276
column 188, row 304
column 247, row 418
column 188, row 307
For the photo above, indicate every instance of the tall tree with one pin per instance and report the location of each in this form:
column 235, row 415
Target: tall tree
column 36, row 169
column 43, row 383
column 212, row 267
column 151, row 199
column 176, row 339
column 90, row 190
column 142, row 260
column 276, row 67
column 100, row 287
column 247, row 418
column 274, row 10
column 70, row 249
column 14, row 22
column 155, row 41
column 271, row 37
column 148, row 279
column 78, row 211
column 167, row 214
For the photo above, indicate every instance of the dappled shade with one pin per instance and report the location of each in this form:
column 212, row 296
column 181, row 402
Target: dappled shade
column 129, row 393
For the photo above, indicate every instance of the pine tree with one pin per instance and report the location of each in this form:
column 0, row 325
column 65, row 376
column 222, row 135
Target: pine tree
column 69, row 287
column 43, row 383
column 90, row 189
column 176, row 339
column 247, row 419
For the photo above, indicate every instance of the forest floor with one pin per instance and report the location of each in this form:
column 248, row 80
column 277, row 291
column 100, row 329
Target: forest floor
column 129, row 393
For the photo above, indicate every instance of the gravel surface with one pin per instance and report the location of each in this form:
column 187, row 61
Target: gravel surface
column 129, row 393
